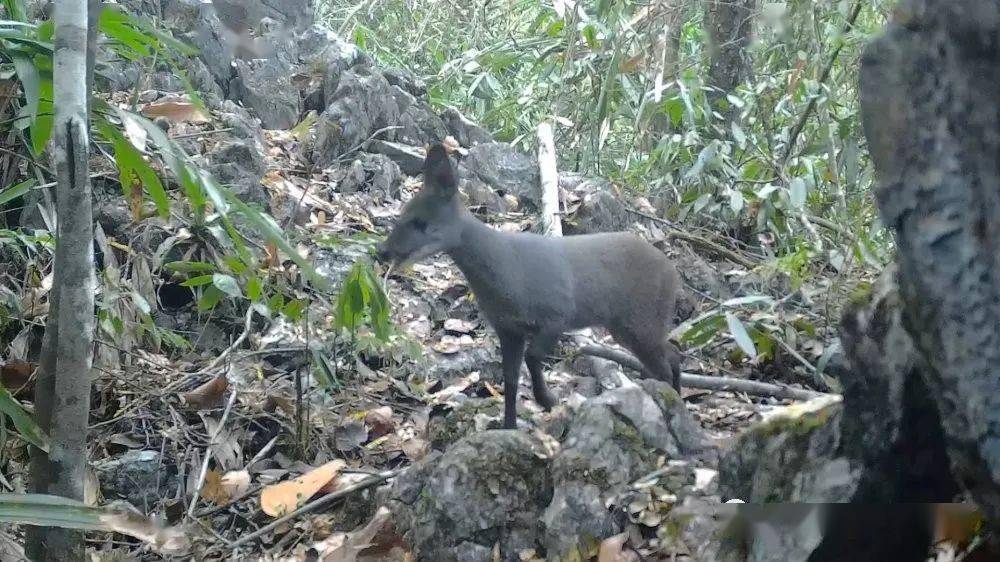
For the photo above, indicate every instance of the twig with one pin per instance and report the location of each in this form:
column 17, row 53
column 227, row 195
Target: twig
column 705, row 243
column 201, row 133
column 319, row 502
column 797, row 129
column 798, row 357
column 708, row 383
column 215, row 362
column 208, row 453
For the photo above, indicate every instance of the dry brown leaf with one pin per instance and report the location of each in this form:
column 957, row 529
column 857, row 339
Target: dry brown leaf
column 175, row 111
column 448, row 345
column 459, row 326
column 415, row 448
column 956, row 523
column 213, row 490
column 167, row 541
column 380, row 421
column 494, row 392
column 284, row 497
column 208, row 395
column 374, row 541
column 233, row 484
column 15, row 376
column 91, row 487
column 613, row 550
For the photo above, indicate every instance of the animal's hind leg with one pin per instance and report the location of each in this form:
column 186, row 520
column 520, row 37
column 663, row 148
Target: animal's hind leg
column 661, row 359
column 539, row 348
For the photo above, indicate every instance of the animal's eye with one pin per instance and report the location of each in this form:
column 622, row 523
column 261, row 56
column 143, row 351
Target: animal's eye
column 420, row 224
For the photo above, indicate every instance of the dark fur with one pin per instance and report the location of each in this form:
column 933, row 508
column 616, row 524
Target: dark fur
column 533, row 288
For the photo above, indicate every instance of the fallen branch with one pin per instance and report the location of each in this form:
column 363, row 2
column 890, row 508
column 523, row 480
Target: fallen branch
column 705, row 243
column 208, row 453
column 704, row 382
column 317, row 503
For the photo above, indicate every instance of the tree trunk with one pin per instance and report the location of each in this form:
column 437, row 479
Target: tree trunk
column 932, row 117
column 63, row 389
column 729, row 24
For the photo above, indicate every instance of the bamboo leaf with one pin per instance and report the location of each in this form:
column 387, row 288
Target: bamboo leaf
column 15, row 191
column 23, row 421
column 739, row 333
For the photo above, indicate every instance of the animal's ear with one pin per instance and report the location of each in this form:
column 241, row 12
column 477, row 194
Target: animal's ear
column 439, row 171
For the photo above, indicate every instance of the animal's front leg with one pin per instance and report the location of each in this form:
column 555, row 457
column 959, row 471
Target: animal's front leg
column 512, row 351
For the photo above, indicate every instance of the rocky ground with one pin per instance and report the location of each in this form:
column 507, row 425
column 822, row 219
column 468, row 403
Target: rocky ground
column 331, row 144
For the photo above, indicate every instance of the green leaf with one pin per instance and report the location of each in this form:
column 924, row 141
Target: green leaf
column 324, row 372
column 140, row 302
column 255, row 288
column 227, row 284
column 294, row 309
column 23, row 421
column 199, row 281
column 15, row 191
column 211, row 297
column 739, row 333
column 15, row 9
column 190, row 266
column 130, row 161
column 41, row 126
column 266, row 227
column 31, row 80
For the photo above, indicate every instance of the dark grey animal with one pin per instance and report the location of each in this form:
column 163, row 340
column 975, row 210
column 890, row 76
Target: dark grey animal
column 533, row 288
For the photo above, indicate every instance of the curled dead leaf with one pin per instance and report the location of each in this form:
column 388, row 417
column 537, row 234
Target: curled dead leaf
column 613, row 550
column 458, row 325
column 378, row 540
column 415, row 448
column 15, row 376
column 285, row 497
column 207, row 396
column 165, row 540
column 380, row 421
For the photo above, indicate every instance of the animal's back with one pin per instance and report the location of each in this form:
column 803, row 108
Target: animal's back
column 620, row 278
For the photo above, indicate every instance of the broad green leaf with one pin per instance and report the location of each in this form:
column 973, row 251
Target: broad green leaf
column 130, row 161
column 30, row 79
column 271, row 232
column 324, row 372
column 199, row 281
column 211, row 297
column 15, row 191
column 294, row 309
column 140, row 302
column 41, row 126
column 739, row 333
column 255, row 288
column 227, row 284
column 190, row 266
column 23, row 421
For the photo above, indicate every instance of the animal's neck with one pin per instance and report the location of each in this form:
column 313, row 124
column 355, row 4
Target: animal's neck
column 476, row 252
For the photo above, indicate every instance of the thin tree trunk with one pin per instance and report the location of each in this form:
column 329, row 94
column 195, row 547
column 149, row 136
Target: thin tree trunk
column 729, row 24
column 63, row 390
column 549, row 177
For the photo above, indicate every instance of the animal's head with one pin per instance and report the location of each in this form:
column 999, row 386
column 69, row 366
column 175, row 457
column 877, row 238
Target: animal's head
column 431, row 221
